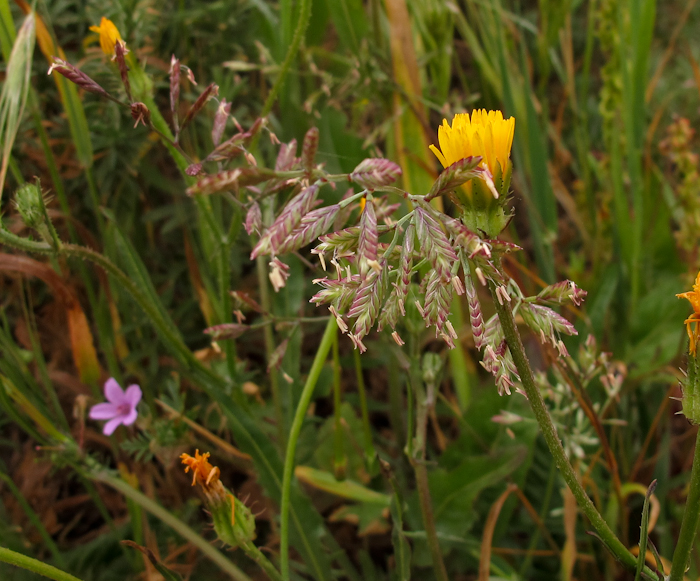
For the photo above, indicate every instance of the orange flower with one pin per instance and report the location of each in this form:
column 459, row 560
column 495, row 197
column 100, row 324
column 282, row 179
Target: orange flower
column 485, row 133
column 694, row 298
column 206, row 474
column 109, row 35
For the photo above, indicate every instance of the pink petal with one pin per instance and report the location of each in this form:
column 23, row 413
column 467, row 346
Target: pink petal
column 112, row 425
column 129, row 418
column 103, row 411
column 133, row 395
column 113, row 392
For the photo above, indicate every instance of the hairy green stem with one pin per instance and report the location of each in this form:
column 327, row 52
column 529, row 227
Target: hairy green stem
column 515, row 344
column 257, row 555
column 30, row 564
column 304, row 401
column 691, row 518
column 173, row 522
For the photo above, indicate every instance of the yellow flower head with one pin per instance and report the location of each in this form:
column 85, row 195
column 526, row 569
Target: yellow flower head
column 694, row 298
column 109, row 35
column 485, row 133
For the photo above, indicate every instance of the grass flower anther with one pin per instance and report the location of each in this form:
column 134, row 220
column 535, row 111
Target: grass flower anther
column 120, row 407
column 109, row 35
column 694, row 298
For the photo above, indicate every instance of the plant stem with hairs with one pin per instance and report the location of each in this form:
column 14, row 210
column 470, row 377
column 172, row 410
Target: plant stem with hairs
column 691, row 515
column 30, row 564
column 517, row 350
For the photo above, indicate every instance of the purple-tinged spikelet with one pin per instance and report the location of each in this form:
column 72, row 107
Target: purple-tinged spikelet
column 211, row 91
column 438, row 298
column 226, row 331
column 369, row 238
column 560, row 292
column 220, row 119
column 288, row 219
column 253, row 219
column 455, row 175
column 140, row 114
column 367, row 304
column 312, row 225
column 374, row 173
column 119, row 54
column 309, row 148
column 75, row 75
column 476, row 318
column 286, row 158
column 340, row 293
column 175, row 92
column 226, row 180
column 235, row 146
column 434, row 243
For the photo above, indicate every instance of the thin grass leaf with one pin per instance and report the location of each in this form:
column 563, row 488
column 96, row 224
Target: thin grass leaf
column 644, row 532
column 73, row 106
column 15, row 90
column 7, row 30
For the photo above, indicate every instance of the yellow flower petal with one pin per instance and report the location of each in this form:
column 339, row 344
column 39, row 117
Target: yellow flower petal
column 484, row 133
column 109, row 35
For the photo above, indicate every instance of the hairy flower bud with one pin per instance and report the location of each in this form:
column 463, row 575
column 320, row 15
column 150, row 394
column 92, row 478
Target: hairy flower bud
column 233, row 521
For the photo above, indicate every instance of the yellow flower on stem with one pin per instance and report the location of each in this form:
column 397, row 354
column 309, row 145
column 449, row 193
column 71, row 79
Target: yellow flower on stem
column 109, row 35
column 694, row 298
column 485, row 133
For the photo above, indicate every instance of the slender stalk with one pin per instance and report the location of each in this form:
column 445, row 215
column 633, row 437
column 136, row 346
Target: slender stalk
column 691, row 518
column 30, row 564
column 269, row 337
column 258, row 556
column 370, row 453
column 423, row 402
column 175, row 523
column 304, row 401
column 340, row 461
column 549, row 432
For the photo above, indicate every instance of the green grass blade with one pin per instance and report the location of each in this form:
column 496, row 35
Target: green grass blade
column 7, row 30
column 15, row 90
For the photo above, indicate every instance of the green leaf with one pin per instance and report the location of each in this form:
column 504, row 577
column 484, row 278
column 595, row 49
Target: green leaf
column 345, row 488
column 15, row 90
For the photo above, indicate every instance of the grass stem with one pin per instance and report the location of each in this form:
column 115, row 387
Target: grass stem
column 304, row 401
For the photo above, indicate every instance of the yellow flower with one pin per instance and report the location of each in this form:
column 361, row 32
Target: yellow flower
column 694, row 298
column 109, row 35
column 486, row 134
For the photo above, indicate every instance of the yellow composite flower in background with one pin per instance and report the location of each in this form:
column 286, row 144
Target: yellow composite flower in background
column 694, row 298
column 485, row 133
column 109, row 35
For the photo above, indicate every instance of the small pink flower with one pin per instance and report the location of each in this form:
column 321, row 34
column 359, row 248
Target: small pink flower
column 121, row 408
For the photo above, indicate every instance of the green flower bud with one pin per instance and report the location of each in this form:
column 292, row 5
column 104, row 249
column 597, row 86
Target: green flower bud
column 233, row 522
